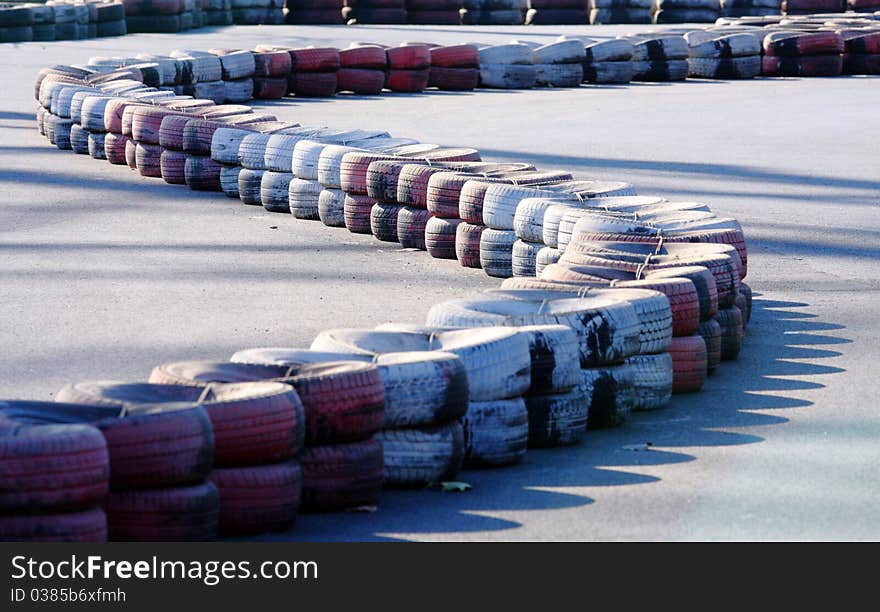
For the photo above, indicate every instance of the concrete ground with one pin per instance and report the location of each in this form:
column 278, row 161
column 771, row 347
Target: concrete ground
column 105, row 274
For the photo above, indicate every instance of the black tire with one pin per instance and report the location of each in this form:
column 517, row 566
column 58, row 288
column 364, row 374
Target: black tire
column 342, row 476
column 258, row 499
column 179, row 514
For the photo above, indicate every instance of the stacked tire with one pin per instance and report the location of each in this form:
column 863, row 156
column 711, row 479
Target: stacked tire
column 714, row 55
column 497, row 362
column 603, row 378
column 163, row 16
column 226, row 464
column 258, row 12
column 217, row 13
column 862, row 52
column 807, row 7
column 803, row 54
column 313, row 12
column 409, row 68
column 743, row 8
column 455, row 68
column 433, row 12
column 17, row 24
column 620, row 11
column 362, row 69
column 507, row 67
column 493, row 12
column 659, row 58
column 272, row 69
column 559, row 64
column 313, row 73
column 552, row 12
column 339, row 407
column 55, row 478
column 608, row 61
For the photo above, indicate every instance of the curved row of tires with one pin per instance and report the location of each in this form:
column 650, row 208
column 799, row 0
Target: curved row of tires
column 634, row 299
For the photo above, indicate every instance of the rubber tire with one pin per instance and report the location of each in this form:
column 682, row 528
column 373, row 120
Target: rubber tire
column 258, row 499
column 496, row 433
column 180, row 514
column 342, row 476
column 416, row 457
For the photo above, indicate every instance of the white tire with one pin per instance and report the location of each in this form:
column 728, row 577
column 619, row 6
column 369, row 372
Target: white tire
column 496, row 433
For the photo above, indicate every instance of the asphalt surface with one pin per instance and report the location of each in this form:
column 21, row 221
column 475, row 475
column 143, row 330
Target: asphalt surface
column 105, row 274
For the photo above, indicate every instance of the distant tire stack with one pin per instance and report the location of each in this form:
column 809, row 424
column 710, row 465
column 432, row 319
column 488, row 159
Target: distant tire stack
column 497, row 362
column 455, row 68
column 743, row 8
column 237, row 71
column 620, row 11
column 549, row 12
column 338, row 409
column 608, row 62
column 803, row 54
column 17, row 24
column 362, row 70
column 806, row 7
column 258, row 12
column 313, row 73
column 271, row 73
column 715, row 55
column 507, row 67
column 559, row 64
column 493, row 12
column 409, row 68
column 313, row 12
column 375, row 11
column 686, row 11
column 162, row 16
column 659, row 58
column 55, row 478
column 433, row 12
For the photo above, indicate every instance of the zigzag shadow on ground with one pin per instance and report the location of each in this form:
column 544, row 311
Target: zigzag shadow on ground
column 780, row 335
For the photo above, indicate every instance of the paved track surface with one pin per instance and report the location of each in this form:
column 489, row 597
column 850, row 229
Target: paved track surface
column 105, row 274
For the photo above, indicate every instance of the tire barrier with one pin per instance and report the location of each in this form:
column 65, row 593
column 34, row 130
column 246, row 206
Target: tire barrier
column 621, row 302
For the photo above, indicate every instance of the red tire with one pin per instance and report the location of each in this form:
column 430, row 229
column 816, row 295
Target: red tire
column 467, row 244
column 266, row 88
column 366, row 57
column 411, row 224
column 407, row 81
column 179, row 514
column 149, row 160
column 201, row 173
column 356, row 211
column 197, row 135
column 324, row 59
column 440, row 237
column 412, row 184
column 455, row 56
column 711, row 332
column 312, row 84
column 470, row 204
column 145, row 122
column 342, row 401
column 47, row 467
column 683, row 299
column 383, row 221
column 87, row 526
column 172, row 164
column 253, row 423
column 409, row 58
column 861, row 63
column 269, row 64
column 689, row 363
column 360, row 81
column 114, row 111
column 454, row 79
column 354, row 167
column 114, row 148
column 258, row 499
column 171, row 131
column 342, row 476
column 731, row 322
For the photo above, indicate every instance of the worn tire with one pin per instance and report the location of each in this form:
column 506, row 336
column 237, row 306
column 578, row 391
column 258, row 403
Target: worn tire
column 496, row 433
column 418, row 456
column 342, row 476
column 258, row 499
